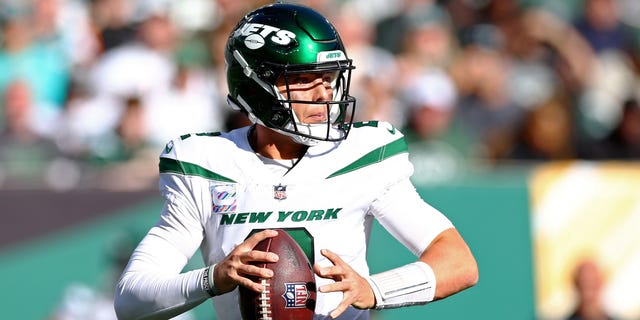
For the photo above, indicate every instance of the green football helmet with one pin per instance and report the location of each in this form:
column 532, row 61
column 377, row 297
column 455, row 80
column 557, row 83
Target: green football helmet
column 274, row 43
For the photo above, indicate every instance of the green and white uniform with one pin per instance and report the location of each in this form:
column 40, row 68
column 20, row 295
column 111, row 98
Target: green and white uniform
column 218, row 190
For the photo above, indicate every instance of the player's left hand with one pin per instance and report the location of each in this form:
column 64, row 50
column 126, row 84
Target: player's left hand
column 355, row 288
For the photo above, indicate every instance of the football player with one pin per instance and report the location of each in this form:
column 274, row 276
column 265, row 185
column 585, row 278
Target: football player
column 304, row 166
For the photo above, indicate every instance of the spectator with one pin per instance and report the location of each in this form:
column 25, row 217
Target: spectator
column 428, row 42
column 130, row 134
column 191, row 105
column 464, row 14
column 27, row 157
column 534, row 63
column 127, row 154
column 390, row 30
column 589, row 281
column 65, row 25
column 601, row 26
column 24, row 116
column 376, row 93
column 142, row 67
column 615, row 70
column 623, row 143
column 546, row 133
column 567, row 52
column 506, row 60
column 45, row 68
column 486, row 107
column 113, row 22
column 431, row 99
column 438, row 146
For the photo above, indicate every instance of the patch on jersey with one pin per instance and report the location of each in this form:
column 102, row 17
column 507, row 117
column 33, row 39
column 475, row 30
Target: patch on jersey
column 295, row 295
column 279, row 192
column 224, row 198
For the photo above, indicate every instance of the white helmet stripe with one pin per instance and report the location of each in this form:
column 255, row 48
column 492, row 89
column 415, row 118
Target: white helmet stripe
column 249, row 72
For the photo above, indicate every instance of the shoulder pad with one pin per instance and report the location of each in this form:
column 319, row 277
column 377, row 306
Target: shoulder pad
column 204, row 154
column 370, row 144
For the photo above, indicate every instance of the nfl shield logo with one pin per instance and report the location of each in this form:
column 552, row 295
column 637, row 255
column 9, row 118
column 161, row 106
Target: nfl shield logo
column 295, row 295
column 280, row 192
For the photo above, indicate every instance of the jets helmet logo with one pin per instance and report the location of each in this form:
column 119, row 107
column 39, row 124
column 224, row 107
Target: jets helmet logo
column 257, row 34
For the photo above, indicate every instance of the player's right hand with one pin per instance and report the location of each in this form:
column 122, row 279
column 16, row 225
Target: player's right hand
column 234, row 269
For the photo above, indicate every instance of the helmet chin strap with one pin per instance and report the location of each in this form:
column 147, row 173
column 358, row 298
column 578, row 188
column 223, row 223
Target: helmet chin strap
column 308, row 141
column 313, row 129
column 310, row 129
column 303, row 128
column 311, row 132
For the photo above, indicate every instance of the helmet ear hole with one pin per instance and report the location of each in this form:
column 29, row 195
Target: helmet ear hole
column 280, row 117
column 267, row 73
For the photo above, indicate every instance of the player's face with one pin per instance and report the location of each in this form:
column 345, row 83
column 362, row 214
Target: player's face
column 316, row 87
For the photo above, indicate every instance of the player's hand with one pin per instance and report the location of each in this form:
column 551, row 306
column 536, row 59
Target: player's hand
column 236, row 266
column 355, row 288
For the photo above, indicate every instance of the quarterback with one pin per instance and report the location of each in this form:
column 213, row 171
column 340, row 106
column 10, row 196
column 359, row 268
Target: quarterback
column 302, row 166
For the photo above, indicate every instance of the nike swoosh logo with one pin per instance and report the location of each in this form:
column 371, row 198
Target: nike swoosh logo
column 391, row 128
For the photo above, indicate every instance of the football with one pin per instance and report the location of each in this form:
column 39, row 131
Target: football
column 291, row 292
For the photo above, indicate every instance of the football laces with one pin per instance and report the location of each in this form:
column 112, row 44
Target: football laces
column 265, row 301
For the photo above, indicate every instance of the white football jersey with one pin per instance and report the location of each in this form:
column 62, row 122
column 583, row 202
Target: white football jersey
column 218, row 191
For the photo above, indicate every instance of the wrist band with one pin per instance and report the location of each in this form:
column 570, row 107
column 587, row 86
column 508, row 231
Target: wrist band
column 207, row 281
column 411, row 284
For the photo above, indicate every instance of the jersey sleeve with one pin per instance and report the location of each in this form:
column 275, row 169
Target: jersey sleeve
column 406, row 216
column 152, row 283
column 397, row 205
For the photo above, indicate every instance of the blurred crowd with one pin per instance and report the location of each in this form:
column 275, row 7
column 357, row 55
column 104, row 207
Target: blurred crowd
column 91, row 90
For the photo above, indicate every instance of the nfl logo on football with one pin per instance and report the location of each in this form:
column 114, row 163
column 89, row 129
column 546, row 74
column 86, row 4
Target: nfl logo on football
column 295, row 295
column 280, row 192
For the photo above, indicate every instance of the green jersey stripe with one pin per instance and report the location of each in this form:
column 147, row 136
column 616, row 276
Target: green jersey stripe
column 174, row 166
column 375, row 156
